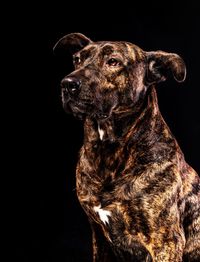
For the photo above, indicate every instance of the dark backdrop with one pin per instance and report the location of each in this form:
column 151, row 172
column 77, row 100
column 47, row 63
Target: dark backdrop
column 46, row 221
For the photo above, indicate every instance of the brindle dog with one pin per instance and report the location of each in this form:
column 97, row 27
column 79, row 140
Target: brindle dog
column 141, row 197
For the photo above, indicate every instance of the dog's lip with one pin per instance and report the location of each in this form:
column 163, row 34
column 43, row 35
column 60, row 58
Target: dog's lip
column 79, row 106
column 75, row 105
column 85, row 106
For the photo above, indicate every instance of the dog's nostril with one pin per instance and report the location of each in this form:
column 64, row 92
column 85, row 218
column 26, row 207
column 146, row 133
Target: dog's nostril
column 73, row 87
column 71, row 84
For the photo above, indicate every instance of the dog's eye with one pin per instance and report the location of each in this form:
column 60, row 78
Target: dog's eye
column 113, row 62
column 77, row 60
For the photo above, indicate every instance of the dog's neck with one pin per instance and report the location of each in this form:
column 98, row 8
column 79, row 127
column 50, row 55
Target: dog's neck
column 126, row 123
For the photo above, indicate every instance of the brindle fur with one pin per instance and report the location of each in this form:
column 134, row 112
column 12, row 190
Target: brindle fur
column 130, row 164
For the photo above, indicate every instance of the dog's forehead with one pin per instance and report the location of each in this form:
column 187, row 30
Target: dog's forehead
column 106, row 48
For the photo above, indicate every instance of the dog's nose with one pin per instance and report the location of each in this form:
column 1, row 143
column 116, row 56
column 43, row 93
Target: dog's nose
column 72, row 85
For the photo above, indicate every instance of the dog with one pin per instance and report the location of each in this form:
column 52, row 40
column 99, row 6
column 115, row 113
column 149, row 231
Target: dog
column 141, row 197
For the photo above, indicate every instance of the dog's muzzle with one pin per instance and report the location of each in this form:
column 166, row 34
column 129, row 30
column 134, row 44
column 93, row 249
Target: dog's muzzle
column 72, row 101
column 71, row 85
column 76, row 102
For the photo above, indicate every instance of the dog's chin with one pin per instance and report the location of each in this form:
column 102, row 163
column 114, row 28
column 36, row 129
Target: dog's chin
column 78, row 110
column 81, row 111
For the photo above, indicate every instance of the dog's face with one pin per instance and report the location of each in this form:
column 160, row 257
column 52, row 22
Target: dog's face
column 111, row 77
column 107, row 76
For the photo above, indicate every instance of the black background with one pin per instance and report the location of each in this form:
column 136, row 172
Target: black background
column 46, row 222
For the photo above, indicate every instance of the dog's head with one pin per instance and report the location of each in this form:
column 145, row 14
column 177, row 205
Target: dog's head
column 111, row 77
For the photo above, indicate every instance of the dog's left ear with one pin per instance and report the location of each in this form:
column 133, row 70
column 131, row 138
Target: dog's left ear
column 160, row 64
column 71, row 43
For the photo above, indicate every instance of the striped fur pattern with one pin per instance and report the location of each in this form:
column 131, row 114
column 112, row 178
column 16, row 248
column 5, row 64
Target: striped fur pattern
column 141, row 197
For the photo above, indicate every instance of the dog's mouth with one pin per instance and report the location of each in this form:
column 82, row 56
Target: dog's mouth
column 78, row 107
column 82, row 107
column 81, row 110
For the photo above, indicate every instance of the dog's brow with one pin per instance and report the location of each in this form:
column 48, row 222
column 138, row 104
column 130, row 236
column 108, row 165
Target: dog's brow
column 84, row 54
column 119, row 48
column 107, row 50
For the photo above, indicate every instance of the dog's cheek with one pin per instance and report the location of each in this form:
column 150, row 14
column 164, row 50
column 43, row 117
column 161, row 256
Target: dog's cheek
column 125, row 89
column 106, row 99
column 136, row 87
column 121, row 82
column 135, row 81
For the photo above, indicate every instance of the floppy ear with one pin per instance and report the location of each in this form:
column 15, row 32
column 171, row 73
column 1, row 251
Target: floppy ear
column 71, row 43
column 160, row 64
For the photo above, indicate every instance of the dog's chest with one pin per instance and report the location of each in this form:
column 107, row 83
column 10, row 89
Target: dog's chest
column 103, row 188
column 101, row 197
column 114, row 218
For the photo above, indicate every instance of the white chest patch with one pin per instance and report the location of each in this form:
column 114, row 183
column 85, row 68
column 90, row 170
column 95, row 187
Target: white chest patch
column 103, row 214
column 101, row 133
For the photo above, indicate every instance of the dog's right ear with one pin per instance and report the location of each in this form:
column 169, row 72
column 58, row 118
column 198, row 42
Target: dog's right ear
column 71, row 43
